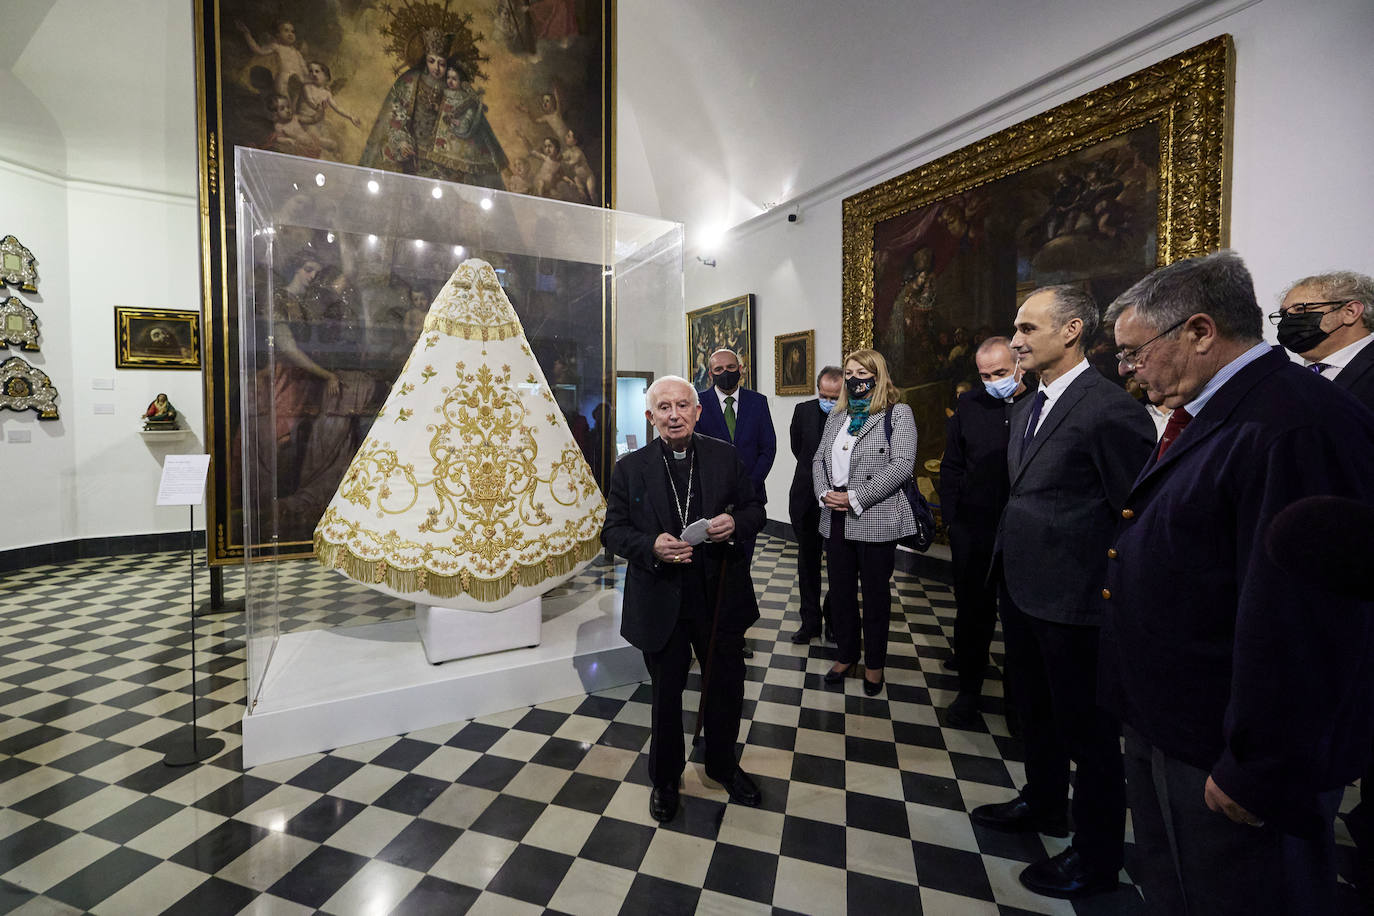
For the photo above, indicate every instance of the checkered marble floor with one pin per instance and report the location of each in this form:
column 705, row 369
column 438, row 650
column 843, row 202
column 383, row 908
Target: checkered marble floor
column 541, row 809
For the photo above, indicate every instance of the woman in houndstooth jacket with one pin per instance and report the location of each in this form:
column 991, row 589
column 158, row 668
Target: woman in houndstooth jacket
column 866, row 453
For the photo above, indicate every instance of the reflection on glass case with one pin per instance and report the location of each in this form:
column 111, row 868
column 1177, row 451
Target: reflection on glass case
column 341, row 265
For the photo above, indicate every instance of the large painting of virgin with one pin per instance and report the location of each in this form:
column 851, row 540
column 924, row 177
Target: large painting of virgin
column 504, row 94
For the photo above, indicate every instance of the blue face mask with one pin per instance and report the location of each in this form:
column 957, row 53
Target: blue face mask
column 827, row 404
column 1003, row 387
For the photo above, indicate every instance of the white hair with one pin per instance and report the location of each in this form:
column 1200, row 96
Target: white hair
column 665, row 380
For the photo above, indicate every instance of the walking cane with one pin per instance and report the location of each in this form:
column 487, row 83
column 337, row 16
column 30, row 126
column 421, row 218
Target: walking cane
column 711, row 643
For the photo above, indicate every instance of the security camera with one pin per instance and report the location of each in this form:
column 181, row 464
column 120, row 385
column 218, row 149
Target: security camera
column 792, row 217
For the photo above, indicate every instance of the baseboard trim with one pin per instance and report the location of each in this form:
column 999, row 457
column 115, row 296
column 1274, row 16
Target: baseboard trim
column 82, row 548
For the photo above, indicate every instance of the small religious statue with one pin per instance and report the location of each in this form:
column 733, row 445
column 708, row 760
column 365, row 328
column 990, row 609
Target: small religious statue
column 160, row 414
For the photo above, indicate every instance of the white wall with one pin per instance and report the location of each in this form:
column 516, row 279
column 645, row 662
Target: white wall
column 1302, row 189
column 140, row 249
column 39, row 476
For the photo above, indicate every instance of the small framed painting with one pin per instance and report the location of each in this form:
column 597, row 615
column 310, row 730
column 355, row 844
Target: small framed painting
column 156, row 339
column 794, row 363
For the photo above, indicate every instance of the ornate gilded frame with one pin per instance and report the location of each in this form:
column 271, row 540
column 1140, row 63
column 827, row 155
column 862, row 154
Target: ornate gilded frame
column 18, row 325
column 728, row 324
column 782, row 345
column 156, row 338
column 26, row 387
column 1189, row 98
column 18, row 266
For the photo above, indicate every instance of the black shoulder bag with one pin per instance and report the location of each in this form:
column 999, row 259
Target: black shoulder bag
column 920, row 509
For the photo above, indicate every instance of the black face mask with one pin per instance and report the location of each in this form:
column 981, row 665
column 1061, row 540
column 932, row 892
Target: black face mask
column 727, row 380
column 859, row 388
column 1301, row 333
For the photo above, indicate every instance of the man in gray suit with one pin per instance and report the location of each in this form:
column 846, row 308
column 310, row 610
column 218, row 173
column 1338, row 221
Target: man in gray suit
column 1075, row 449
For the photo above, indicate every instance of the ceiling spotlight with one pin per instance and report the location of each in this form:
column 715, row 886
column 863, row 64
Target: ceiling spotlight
column 373, row 186
column 486, row 203
column 329, row 237
column 419, row 243
column 437, row 193
column 319, row 178
column 372, row 239
column 458, row 250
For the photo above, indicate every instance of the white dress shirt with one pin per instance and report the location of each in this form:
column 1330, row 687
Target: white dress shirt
column 1057, row 387
column 1337, row 361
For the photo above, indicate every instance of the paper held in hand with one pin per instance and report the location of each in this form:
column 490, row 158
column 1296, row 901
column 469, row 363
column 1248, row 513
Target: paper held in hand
column 695, row 533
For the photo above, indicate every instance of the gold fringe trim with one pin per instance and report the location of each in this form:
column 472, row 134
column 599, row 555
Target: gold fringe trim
column 380, row 572
column 465, row 329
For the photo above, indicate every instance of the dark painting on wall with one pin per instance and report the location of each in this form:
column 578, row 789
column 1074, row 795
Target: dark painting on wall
column 727, row 325
column 509, row 95
column 1096, row 192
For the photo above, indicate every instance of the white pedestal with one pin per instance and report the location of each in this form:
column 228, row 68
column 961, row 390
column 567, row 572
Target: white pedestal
column 330, row 688
column 448, row 633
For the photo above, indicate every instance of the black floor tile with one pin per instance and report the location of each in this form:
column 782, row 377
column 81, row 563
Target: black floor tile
column 768, row 734
column 232, row 797
column 814, row 841
column 102, row 878
column 326, row 773
column 870, row 894
column 318, row 876
column 12, row 897
column 55, row 798
column 988, row 770
column 490, row 772
column 475, row 736
column 420, row 844
column 619, row 843
column 322, row 818
column 821, row 771
column 411, row 794
column 542, row 721
column 24, row 844
column 142, row 815
column 560, row 753
column 113, row 725
column 879, row 815
column 508, row 817
column 586, row 793
column 932, row 790
column 531, row 874
column 214, row 897
column 29, row 739
column 600, row 707
column 661, row 897
column 219, row 846
column 435, row 895
column 624, row 736
column 741, row 872
column 867, row 750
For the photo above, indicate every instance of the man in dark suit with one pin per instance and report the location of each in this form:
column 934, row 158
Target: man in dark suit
column 1245, row 691
column 808, row 420
column 1328, row 320
column 739, row 416
column 1075, row 448
column 973, row 491
column 681, row 597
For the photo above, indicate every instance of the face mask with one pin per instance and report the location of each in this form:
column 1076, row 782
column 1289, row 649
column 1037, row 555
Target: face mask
column 827, row 404
column 1003, row 387
column 726, row 381
column 1301, row 333
column 859, row 388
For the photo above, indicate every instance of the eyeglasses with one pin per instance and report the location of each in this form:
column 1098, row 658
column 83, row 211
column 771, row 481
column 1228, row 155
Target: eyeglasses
column 1302, row 308
column 1130, row 358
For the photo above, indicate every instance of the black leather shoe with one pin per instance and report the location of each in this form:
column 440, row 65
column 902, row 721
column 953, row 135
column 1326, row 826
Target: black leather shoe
column 1016, row 816
column 873, row 688
column 741, row 789
column 748, row 652
column 963, row 712
column 663, row 803
column 950, row 664
column 804, row 635
column 1067, row 876
column 835, row 678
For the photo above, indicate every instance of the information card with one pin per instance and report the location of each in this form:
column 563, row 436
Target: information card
column 183, row 480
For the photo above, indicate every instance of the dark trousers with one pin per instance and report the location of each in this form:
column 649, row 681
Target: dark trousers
column 849, row 564
column 810, row 549
column 1198, row 862
column 724, row 700
column 975, row 594
column 1053, row 667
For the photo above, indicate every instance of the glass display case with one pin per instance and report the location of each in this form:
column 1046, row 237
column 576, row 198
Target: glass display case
column 339, row 267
